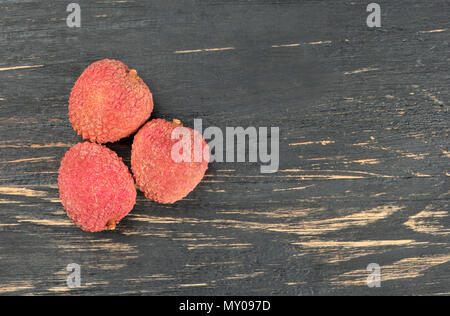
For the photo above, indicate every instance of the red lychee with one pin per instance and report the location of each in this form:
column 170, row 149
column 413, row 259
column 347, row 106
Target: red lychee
column 95, row 187
column 109, row 102
column 161, row 177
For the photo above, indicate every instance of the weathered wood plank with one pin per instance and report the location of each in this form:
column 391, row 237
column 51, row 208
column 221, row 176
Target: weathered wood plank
column 364, row 123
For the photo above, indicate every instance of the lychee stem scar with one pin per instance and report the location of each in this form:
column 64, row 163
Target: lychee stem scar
column 133, row 75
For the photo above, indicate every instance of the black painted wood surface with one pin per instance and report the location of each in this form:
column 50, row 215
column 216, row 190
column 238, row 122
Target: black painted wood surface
column 364, row 150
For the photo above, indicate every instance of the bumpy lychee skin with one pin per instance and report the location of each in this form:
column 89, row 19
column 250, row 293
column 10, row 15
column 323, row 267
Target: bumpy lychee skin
column 158, row 175
column 109, row 102
column 95, row 187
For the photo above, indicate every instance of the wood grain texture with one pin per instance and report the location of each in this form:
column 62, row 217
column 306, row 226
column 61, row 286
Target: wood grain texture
column 364, row 169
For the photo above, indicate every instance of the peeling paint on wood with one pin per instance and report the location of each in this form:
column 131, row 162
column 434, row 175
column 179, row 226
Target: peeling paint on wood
column 364, row 152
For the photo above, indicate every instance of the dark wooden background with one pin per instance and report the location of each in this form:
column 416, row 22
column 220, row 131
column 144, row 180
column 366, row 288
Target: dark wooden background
column 364, row 147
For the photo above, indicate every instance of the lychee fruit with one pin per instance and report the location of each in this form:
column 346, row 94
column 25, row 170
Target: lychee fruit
column 109, row 102
column 95, row 187
column 168, row 160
